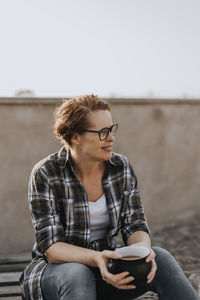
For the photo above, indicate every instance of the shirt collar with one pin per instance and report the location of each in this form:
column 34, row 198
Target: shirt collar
column 63, row 156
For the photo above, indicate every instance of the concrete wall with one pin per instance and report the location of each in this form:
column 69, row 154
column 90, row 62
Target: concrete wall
column 160, row 138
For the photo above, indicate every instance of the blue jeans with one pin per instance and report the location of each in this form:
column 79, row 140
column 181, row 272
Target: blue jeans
column 74, row 281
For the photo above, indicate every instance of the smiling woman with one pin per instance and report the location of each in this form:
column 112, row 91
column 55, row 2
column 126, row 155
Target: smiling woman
column 80, row 198
column 94, row 143
column 72, row 116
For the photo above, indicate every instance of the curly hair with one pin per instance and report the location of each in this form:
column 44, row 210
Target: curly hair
column 71, row 116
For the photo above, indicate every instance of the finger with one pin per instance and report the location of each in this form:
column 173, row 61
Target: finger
column 106, row 275
column 153, row 268
column 151, row 256
column 123, row 284
column 152, row 273
column 126, row 280
column 114, row 278
column 121, row 279
column 150, row 279
column 126, row 287
column 121, row 276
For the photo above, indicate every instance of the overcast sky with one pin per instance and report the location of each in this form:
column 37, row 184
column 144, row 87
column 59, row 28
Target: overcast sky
column 130, row 48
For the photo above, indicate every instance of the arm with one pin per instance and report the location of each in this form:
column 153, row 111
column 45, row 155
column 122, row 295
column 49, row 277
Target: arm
column 140, row 238
column 135, row 229
column 134, row 225
column 63, row 252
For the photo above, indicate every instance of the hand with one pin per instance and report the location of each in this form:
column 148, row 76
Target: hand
column 152, row 273
column 121, row 280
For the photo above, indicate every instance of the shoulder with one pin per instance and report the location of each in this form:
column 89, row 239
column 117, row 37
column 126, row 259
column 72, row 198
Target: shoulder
column 46, row 165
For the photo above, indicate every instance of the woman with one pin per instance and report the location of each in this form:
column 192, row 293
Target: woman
column 80, row 198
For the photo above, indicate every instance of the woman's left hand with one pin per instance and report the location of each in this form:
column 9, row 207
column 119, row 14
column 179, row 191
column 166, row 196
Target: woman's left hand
column 151, row 257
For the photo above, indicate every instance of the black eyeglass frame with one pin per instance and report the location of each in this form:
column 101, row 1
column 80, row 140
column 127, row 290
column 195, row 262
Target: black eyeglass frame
column 99, row 131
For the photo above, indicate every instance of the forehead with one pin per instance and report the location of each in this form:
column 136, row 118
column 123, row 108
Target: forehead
column 100, row 118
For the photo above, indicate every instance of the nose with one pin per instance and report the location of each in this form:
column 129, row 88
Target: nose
column 110, row 137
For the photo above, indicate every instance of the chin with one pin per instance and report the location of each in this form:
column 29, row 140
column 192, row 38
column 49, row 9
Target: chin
column 108, row 155
column 103, row 157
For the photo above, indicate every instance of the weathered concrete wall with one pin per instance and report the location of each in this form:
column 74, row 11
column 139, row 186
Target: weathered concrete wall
column 160, row 138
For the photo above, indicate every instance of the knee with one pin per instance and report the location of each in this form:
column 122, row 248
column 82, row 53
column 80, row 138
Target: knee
column 165, row 260
column 162, row 254
column 77, row 275
column 68, row 280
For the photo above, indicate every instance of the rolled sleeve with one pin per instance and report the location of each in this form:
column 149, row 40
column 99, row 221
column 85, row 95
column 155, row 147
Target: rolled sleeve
column 44, row 211
column 133, row 215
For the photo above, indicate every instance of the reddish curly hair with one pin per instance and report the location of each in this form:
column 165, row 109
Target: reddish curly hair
column 71, row 116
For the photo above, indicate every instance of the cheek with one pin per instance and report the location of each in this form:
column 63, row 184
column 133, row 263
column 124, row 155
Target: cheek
column 94, row 147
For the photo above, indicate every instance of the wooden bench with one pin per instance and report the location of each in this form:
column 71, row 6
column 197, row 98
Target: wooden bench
column 10, row 272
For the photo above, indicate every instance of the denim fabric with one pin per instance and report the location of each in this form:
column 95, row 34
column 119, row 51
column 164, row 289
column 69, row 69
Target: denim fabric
column 74, row 281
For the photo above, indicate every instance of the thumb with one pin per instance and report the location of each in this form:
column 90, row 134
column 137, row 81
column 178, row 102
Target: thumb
column 111, row 254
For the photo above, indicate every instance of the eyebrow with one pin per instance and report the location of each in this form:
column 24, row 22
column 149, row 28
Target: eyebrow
column 104, row 127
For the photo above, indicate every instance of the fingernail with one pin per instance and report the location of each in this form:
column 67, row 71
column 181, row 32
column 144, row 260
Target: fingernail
column 133, row 286
column 131, row 278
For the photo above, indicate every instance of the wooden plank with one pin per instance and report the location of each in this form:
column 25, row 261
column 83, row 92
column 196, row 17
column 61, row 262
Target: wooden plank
column 9, row 283
column 10, row 290
column 9, row 277
column 10, row 286
column 12, row 267
column 22, row 257
column 11, row 297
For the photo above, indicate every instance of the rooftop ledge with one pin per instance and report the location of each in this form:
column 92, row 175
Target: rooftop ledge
column 54, row 100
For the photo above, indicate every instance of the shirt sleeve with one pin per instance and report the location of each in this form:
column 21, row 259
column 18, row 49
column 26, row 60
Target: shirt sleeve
column 44, row 212
column 133, row 216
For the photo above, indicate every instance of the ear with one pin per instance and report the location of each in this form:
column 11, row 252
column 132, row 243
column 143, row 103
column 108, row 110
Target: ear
column 75, row 139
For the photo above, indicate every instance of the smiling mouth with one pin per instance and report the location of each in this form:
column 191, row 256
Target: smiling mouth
column 108, row 148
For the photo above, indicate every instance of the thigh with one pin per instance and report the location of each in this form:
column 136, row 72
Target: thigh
column 68, row 281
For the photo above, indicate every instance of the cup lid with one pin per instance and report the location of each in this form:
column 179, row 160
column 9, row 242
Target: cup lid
column 133, row 250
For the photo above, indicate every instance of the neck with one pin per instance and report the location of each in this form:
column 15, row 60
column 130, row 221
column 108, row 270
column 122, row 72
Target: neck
column 83, row 167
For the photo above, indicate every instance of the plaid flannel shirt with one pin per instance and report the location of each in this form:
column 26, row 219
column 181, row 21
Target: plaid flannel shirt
column 60, row 212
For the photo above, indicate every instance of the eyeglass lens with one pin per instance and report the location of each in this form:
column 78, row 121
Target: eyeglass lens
column 105, row 132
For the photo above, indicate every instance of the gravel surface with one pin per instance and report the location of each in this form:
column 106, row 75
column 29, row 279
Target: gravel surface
column 182, row 240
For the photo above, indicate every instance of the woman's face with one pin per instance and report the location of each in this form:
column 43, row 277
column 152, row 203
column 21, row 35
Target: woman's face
column 90, row 144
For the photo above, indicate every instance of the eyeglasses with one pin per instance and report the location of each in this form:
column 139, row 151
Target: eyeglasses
column 104, row 132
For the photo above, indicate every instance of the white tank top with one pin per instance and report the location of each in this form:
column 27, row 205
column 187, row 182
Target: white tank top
column 99, row 218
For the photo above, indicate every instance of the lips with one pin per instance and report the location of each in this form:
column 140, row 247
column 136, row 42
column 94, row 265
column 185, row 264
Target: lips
column 107, row 148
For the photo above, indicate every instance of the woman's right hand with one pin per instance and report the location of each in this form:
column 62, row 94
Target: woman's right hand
column 121, row 280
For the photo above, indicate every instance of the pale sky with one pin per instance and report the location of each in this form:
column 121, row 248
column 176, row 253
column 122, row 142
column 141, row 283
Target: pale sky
column 127, row 48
